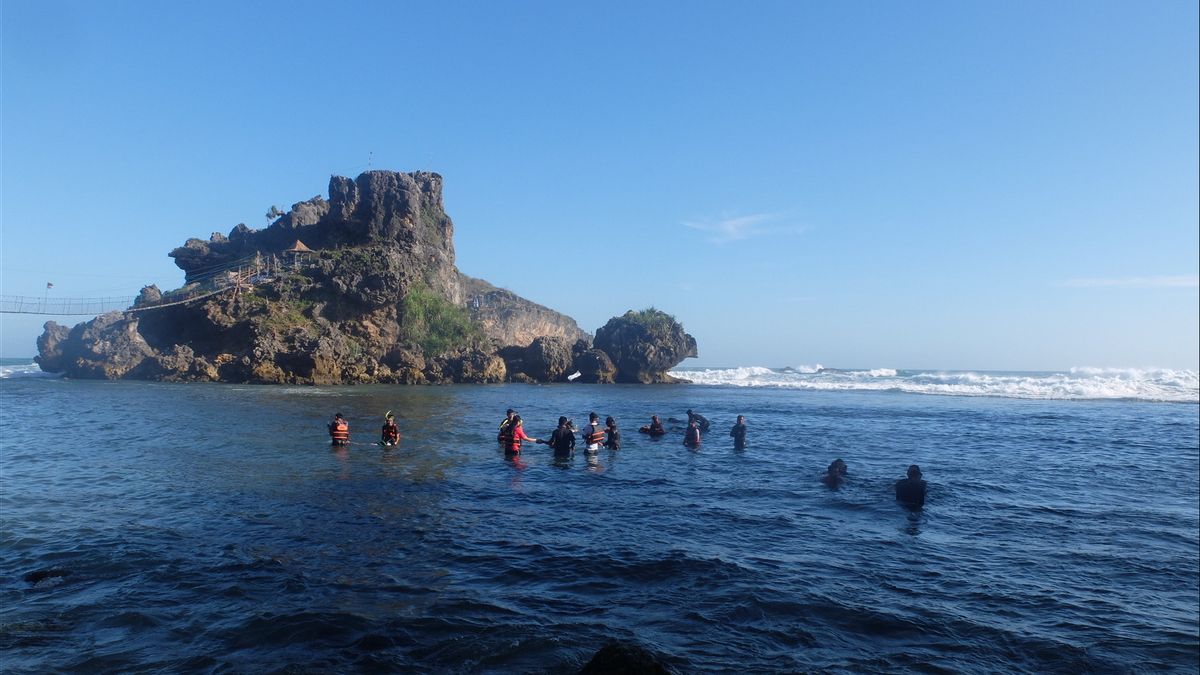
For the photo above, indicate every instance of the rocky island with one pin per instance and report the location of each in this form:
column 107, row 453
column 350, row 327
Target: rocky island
column 361, row 287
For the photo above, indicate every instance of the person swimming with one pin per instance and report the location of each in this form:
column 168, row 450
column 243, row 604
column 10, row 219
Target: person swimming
column 911, row 491
column 655, row 428
column 835, row 475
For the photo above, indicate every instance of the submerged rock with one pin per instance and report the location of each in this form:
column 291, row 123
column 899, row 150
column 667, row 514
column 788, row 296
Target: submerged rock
column 622, row 658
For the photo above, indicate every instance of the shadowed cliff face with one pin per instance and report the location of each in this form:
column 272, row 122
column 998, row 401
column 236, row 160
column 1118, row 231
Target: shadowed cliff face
column 378, row 299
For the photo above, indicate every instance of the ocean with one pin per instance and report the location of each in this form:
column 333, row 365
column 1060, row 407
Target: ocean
column 149, row 527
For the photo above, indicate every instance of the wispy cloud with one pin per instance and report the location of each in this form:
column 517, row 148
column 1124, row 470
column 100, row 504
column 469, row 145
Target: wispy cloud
column 1166, row 281
column 740, row 228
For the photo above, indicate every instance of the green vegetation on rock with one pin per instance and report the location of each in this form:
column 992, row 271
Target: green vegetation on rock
column 656, row 322
column 436, row 324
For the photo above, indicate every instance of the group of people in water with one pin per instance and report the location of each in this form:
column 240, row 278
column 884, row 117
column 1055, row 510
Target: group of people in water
column 511, row 436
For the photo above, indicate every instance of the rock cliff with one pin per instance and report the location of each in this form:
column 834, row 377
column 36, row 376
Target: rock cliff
column 361, row 287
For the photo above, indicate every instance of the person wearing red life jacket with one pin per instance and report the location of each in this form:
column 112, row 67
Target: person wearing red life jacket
column 390, row 434
column 339, row 430
column 517, row 431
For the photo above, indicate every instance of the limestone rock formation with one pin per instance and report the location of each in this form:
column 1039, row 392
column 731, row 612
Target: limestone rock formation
column 645, row 345
column 512, row 320
column 374, row 296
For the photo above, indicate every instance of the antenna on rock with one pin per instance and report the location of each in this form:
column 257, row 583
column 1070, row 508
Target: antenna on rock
column 370, row 156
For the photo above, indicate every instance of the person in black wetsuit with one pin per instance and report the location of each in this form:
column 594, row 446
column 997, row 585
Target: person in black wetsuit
column 911, row 491
column 505, row 427
column 563, row 438
column 835, row 475
column 701, row 421
column 739, row 433
column 612, row 434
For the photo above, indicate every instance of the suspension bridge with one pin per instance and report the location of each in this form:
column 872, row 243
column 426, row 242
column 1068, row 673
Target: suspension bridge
column 235, row 276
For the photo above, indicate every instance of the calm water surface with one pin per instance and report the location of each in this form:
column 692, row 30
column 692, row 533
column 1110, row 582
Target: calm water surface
column 210, row 528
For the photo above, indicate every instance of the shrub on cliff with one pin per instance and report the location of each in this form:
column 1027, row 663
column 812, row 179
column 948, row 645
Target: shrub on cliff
column 436, row 324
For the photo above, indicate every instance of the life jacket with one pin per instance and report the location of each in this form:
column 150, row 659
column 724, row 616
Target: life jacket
column 691, row 437
column 340, row 432
column 391, row 433
column 512, row 440
column 595, row 436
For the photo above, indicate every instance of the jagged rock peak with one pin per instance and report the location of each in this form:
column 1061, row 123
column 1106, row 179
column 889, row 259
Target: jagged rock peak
column 389, row 207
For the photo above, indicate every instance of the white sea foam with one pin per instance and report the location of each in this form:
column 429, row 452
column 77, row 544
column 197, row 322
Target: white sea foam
column 1078, row 383
column 15, row 371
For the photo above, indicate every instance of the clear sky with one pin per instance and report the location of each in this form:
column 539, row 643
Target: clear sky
column 977, row 185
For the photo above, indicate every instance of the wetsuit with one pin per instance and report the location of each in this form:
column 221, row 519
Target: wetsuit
column 504, row 435
column 614, row 438
column 691, row 437
column 390, row 434
column 563, row 441
column 911, row 491
column 739, row 436
column 656, row 429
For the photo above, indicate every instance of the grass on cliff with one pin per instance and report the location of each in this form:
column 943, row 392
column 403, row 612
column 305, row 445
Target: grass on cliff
column 656, row 322
column 436, row 324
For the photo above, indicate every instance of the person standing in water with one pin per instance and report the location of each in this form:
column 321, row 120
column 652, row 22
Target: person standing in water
column 739, row 433
column 563, row 438
column 911, row 491
column 691, row 437
column 614, row 434
column 701, row 421
column 502, row 436
column 593, row 433
column 516, row 435
column 339, row 430
column 390, row 434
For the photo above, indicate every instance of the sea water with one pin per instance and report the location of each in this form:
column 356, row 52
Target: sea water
column 165, row 527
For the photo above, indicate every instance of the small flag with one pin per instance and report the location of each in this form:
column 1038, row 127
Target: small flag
column 49, row 285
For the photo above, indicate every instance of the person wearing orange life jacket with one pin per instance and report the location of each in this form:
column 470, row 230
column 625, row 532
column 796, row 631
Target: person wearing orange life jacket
column 593, row 433
column 390, row 434
column 516, row 435
column 691, row 437
column 339, row 430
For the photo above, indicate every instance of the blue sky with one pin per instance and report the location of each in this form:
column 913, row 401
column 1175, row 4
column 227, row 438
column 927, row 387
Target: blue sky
column 982, row 185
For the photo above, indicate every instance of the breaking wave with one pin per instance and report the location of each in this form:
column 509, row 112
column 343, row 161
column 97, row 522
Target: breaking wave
column 1158, row 384
column 14, row 370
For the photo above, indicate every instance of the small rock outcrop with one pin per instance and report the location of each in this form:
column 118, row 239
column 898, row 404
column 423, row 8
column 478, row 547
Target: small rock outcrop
column 644, row 345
